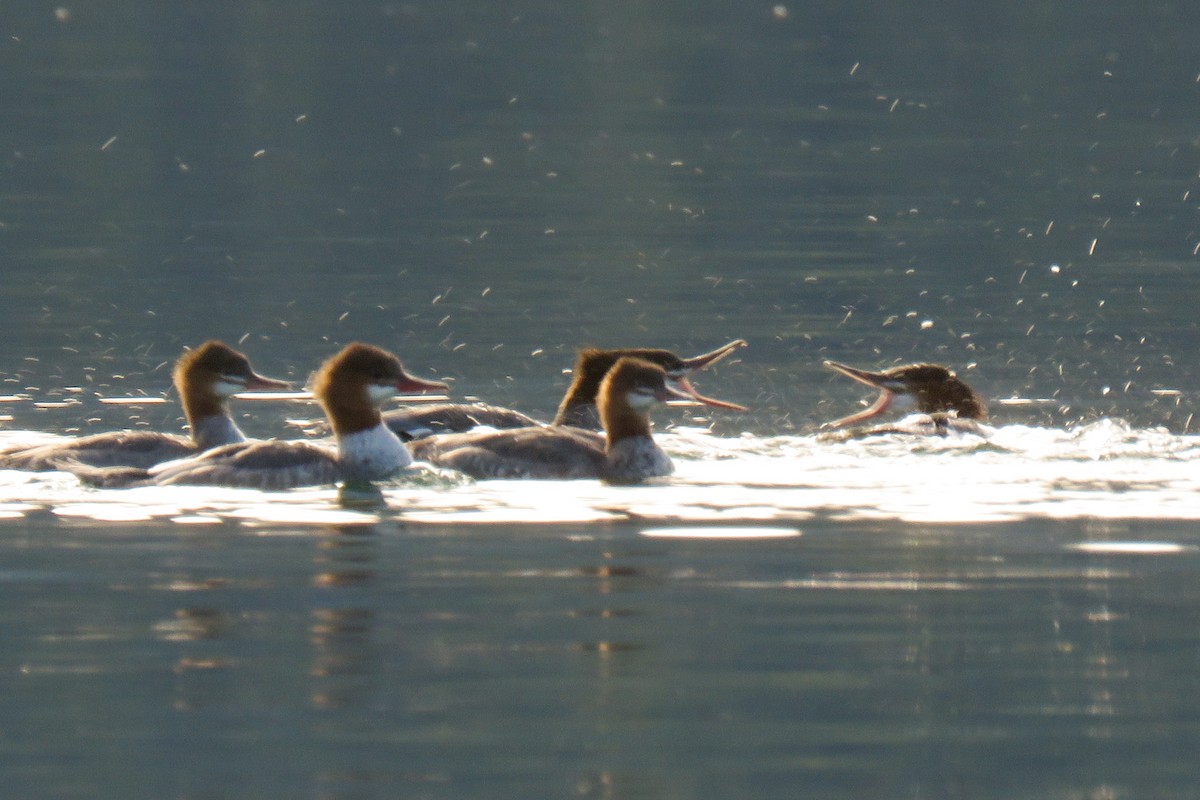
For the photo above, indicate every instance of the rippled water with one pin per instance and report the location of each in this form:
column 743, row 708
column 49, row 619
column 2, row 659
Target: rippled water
column 881, row 618
column 893, row 616
column 1009, row 189
column 1100, row 470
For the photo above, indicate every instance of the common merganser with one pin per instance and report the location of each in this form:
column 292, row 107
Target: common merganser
column 578, row 406
column 948, row 403
column 350, row 387
column 625, row 453
column 205, row 378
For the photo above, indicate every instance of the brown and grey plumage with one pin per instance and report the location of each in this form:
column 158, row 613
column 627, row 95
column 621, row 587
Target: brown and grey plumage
column 949, row 403
column 625, row 453
column 577, row 409
column 205, row 378
column 350, row 387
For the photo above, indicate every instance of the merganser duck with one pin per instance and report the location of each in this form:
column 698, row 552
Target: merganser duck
column 625, row 453
column 578, row 406
column 205, row 378
column 350, row 387
column 948, row 404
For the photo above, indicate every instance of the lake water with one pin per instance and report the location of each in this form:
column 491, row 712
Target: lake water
column 484, row 187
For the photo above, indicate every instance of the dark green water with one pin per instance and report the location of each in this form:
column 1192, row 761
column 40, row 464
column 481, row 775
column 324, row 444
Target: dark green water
column 594, row 662
column 469, row 183
column 483, row 187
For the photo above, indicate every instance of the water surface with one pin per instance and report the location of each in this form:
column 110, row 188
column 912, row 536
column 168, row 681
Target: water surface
column 999, row 660
column 484, row 187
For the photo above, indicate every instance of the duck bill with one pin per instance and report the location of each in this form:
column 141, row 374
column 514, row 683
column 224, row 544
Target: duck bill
column 260, row 383
column 697, row 363
column 683, row 389
column 888, row 388
column 876, row 380
column 410, row 385
column 881, row 404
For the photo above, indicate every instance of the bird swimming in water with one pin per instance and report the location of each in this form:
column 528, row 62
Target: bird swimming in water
column 943, row 402
column 205, row 378
column 578, row 408
column 624, row 453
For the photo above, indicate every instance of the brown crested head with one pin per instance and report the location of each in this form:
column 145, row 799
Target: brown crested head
column 934, row 389
column 592, row 364
column 938, row 390
column 353, row 384
column 626, row 394
column 207, row 376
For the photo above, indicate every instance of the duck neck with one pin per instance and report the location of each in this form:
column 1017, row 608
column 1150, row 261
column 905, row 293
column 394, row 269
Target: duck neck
column 371, row 453
column 579, row 415
column 214, row 430
column 207, row 414
column 578, row 406
column 350, row 413
column 622, row 421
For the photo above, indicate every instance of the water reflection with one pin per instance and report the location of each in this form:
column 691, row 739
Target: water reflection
column 344, row 666
column 849, row 651
column 612, row 583
column 193, row 624
column 361, row 497
column 992, row 189
column 341, row 631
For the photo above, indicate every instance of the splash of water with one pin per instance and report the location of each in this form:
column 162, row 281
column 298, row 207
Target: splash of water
column 1104, row 470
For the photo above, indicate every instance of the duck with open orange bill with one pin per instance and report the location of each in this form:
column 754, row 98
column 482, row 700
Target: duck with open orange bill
column 625, row 453
column 577, row 409
column 944, row 402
